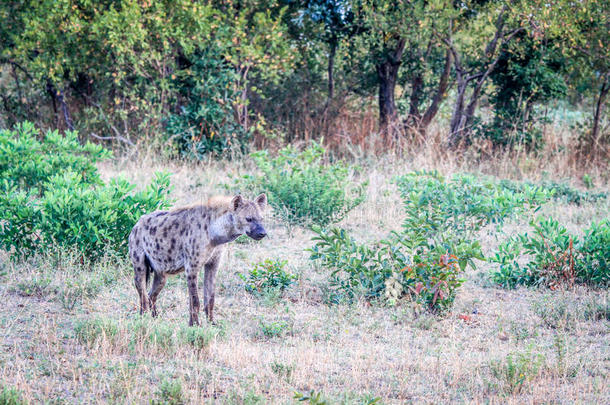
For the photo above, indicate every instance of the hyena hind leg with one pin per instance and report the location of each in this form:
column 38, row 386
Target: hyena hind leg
column 140, row 269
column 157, row 286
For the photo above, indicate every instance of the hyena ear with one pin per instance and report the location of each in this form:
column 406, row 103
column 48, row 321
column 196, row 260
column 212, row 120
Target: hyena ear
column 237, row 202
column 261, row 200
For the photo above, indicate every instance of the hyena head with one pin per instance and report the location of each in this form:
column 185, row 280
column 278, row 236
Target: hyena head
column 248, row 216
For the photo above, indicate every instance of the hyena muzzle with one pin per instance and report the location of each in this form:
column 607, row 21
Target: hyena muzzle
column 185, row 239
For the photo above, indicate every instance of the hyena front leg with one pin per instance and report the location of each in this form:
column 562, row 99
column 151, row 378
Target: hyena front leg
column 158, row 284
column 191, row 279
column 211, row 267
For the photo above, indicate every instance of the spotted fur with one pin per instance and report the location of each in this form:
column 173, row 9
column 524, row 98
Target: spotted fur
column 185, row 239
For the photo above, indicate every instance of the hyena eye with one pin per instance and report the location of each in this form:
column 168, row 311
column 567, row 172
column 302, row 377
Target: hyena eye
column 249, row 219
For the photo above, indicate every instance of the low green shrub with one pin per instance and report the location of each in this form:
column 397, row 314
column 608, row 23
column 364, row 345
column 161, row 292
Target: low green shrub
column 61, row 202
column 170, row 392
column 28, row 159
column 561, row 191
column 268, row 275
column 90, row 330
column 437, row 241
column 302, row 189
column 206, row 128
column 11, row 396
column 199, row 338
column 551, row 256
column 517, row 369
column 274, row 329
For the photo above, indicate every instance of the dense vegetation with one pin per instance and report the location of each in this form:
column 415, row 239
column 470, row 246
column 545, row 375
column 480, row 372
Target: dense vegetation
column 212, row 76
column 51, row 196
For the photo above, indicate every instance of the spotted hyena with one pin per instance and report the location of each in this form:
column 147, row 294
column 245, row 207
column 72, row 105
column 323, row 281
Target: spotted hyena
column 184, row 239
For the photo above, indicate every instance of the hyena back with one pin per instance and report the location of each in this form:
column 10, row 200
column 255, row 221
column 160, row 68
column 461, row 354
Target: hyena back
column 184, row 239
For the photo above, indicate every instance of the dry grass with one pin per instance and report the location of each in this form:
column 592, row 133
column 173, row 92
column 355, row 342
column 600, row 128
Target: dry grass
column 496, row 346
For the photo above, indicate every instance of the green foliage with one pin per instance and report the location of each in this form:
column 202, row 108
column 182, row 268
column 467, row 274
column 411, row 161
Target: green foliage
column 436, row 243
column 10, row 396
column 314, row 398
column 274, row 329
column 28, row 162
column 561, row 191
column 54, row 197
column 144, row 332
column 199, row 338
column 526, row 75
column 302, row 189
column 268, row 275
column 90, row 331
column 169, row 393
column 208, row 127
column 517, row 369
column 94, row 219
column 283, row 371
column 551, row 256
column 121, row 67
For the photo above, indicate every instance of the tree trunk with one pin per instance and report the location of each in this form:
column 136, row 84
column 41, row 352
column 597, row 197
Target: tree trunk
column 414, row 117
column 331, row 68
column 66, row 112
column 387, row 74
column 439, row 96
column 455, row 134
column 599, row 107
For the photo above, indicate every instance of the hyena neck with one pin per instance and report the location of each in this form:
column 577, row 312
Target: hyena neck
column 221, row 229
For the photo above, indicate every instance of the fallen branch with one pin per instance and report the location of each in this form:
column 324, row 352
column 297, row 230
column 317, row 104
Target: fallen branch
column 113, row 138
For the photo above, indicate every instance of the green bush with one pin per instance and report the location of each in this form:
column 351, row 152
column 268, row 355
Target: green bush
column 27, row 162
column 61, row 201
column 170, row 392
column 268, row 275
column 517, row 369
column 302, row 189
column 274, row 329
column 10, row 396
column 436, row 243
column 560, row 191
column 94, row 219
column 90, row 330
column 551, row 256
column 205, row 124
column 199, row 338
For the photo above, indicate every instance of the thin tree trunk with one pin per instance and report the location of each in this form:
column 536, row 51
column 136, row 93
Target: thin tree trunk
column 455, row 134
column 439, row 96
column 66, row 112
column 331, row 68
column 414, row 117
column 599, row 107
column 387, row 74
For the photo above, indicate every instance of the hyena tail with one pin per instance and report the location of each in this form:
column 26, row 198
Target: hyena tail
column 149, row 269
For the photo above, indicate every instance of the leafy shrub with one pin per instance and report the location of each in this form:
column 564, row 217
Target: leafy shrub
column 268, row 275
column 61, row 201
column 517, row 369
column 551, row 256
column 436, row 243
column 302, row 189
column 10, row 396
column 99, row 218
column 274, row 329
column 169, row 393
column 560, row 191
column 90, row 330
column 206, row 124
column 283, row 371
column 199, row 338
column 27, row 162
